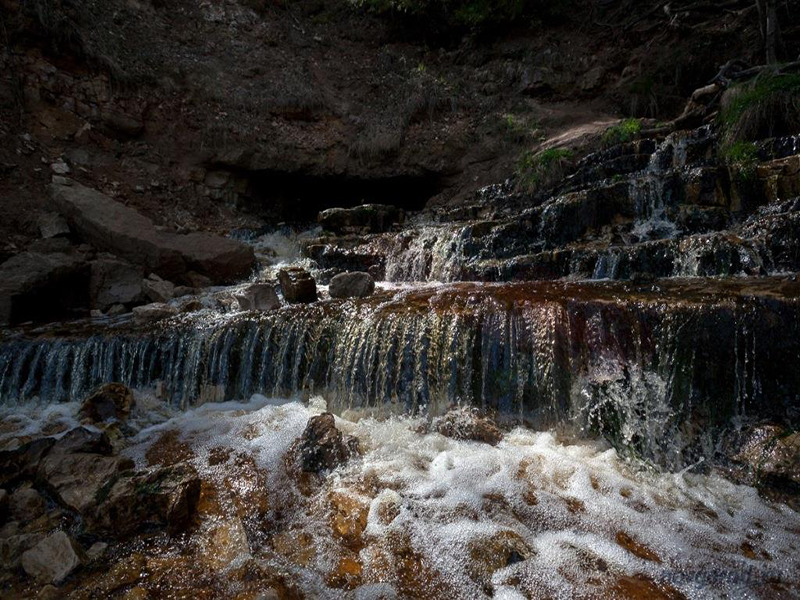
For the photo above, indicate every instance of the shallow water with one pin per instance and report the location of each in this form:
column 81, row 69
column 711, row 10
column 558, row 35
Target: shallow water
column 567, row 519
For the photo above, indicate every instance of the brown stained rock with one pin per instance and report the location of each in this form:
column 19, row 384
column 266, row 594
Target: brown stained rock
column 322, row 446
column 168, row 450
column 348, row 573
column 771, row 451
column 53, row 558
column 348, row 518
column 496, row 552
column 109, row 402
column 636, row 548
column 641, row 587
column 76, row 480
column 297, row 285
column 297, row 547
column 164, row 498
column 468, row 424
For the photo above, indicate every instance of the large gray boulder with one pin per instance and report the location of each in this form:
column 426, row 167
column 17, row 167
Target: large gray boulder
column 42, row 287
column 53, row 558
column 113, row 282
column 258, row 296
column 371, row 218
column 110, row 225
column 356, row 284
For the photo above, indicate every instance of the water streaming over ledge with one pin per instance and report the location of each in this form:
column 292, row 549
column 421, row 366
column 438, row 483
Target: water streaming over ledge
column 654, row 370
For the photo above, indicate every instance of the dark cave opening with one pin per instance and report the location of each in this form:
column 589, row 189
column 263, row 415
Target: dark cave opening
column 299, row 197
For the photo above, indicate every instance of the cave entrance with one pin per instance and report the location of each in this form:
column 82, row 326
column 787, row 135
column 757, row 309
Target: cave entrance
column 297, row 197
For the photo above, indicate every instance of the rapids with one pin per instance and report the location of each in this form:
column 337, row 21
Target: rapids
column 571, row 518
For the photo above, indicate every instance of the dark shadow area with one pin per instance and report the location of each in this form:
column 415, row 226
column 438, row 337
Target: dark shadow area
column 296, row 197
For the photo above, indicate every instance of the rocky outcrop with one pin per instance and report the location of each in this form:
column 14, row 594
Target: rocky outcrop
column 112, row 401
column 352, row 285
column 53, row 559
column 42, row 287
column 258, row 296
column 114, row 282
column 367, row 218
column 157, row 289
column 297, row 285
column 150, row 313
column 322, row 446
column 468, row 424
column 166, row 497
column 112, row 226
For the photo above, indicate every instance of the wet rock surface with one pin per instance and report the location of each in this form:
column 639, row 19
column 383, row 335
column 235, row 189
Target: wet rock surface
column 52, row 559
column 368, row 218
column 322, row 446
column 113, row 401
column 351, row 285
column 297, row 285
column 260, row 296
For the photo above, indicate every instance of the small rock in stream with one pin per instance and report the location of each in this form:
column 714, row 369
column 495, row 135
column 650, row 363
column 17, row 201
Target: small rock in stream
column 467, row 424
column 354, row 284
column 297, row 285
column 150, row 313
column 322, row 446
column 112, row 401
column 258, row 296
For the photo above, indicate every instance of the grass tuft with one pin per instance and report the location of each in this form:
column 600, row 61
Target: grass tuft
column 626, row 131
column 536, row 170
column 764, row 107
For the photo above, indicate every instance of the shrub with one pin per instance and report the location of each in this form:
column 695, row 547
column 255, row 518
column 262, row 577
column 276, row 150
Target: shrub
column 626, row 131
column 766, row 106
column 539, row 169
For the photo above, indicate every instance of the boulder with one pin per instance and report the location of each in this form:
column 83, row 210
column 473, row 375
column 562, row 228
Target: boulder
column 53, row 225
column 42, row 287
column 150, row 313
column 26, row 504
column 83, row 440
column 258, row 296
column 297, row 285
column 76, row 480
column 114, row 282
column 112, row 401
column 14, row 545
column 322, row 446
column 368, row 218
column 771, row 451
column 22, row 462
column 53, row 558
column 166, row 497
column 157, row 289
column 112, row 226
column 352, row 285
column 468, row 424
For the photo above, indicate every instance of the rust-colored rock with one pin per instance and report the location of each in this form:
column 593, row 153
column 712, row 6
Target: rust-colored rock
column 112, row 401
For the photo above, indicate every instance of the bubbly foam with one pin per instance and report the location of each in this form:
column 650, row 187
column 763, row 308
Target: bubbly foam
column 579, row 517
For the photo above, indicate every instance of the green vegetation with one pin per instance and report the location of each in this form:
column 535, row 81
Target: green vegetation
column 537, row 170
column 742, row 158
column 626, row 131
column 766, row 106
column 517, row 130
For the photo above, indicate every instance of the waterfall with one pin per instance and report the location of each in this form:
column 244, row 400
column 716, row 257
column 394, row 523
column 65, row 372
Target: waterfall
column 540, row 354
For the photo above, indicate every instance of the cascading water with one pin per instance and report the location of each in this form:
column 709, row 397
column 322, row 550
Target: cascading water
column 538, row 354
